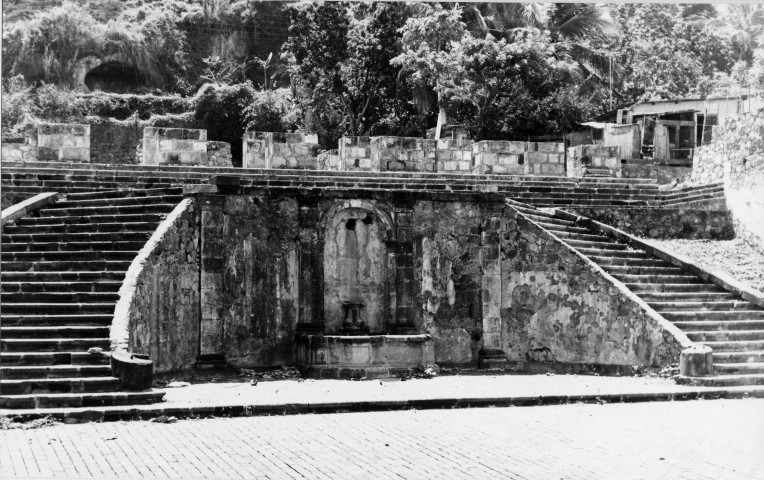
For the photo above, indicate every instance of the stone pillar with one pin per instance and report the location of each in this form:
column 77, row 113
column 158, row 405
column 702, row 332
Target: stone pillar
column 213, row 264
column 311, row 261
column 490, row 260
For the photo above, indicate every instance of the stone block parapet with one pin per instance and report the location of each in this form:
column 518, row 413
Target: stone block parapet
column 174, row 146
column 585, row 158
column 409, row 154
column 16, row 149
column 63, row 142
column 355, row 154
column 280, row 150
column 219, row 154
column 454, row 155
column 545, row 159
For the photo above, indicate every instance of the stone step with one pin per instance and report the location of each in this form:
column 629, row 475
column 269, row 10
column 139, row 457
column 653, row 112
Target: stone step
column 62, row 308
column 700, row 306
column 125, row 193
column 60, row 287
column 97, row 183
column 75, row 246
column 55, row 371
column 64, row 265
column 34, row 167
column 688, row 296
column 597, row 245
column 146, row 228
column 543, row 221
column 749, row 356
column 79, row 331
column 114, row 202
column 565, row 236
column 720, row 325
column 94, row 179
column 59, row 297
column 156, row 208
column 650, row 288
column 682, row 279
column 63, row 276
column 36, row 222
column 589, row 252
column 101, row 238
column 639, row 270
column 724, row 336
column 13, row 359
column 568, row 202
column 738, row 368
column 52, row 344
column 735, row 345
column 68, row 255
column 55, row 320
column 59, row 385
column 714, row 315
column 673, row 194
column 729, row 380
column 563, row 228
column 604, row 261
column 62, row 400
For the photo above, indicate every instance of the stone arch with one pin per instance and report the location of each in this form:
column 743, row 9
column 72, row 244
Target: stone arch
column 353, row 241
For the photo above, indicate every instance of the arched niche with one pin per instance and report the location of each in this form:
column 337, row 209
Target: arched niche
column 354, row 237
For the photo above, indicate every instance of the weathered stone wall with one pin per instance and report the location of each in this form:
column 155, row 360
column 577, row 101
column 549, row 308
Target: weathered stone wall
column 498, row 156
column 63, row 142
column 279, row 150
column 17, row 149
column 174, row 146
column 558, row 307
column 663, row 173
column 736, row 157
column 219, row 155
column 454, row 155
column 409, row 154
column 249, row 279
column 584, row 157
column 355, row 154
column 545, row 158
column 164, row 313
column 114, row 142
column 661, row 222
column 448, row 253
column 329, row 160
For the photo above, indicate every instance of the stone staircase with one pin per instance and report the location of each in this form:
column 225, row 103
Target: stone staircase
column 707, row 313
column 61, row 270
column 711, row 195
column 25, row 180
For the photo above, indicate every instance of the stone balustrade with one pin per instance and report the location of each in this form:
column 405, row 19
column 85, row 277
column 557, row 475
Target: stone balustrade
column 174, row 146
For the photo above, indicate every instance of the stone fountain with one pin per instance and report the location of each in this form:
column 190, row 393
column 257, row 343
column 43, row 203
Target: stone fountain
column 367, row 329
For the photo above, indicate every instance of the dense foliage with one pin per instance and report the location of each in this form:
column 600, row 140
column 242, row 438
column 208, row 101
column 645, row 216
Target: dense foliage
column 505, row 70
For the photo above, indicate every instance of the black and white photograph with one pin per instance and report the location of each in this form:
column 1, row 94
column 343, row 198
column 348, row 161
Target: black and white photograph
column 348, row 240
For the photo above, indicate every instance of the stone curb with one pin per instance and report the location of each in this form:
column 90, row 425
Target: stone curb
column 112, row 414
column 28, row 206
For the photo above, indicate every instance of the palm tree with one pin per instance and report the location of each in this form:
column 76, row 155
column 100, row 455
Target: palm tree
column 742, row 23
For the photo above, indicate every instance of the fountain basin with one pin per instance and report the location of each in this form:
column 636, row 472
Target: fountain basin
column 357, row 356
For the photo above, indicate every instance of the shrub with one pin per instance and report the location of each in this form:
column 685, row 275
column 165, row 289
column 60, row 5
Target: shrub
column 222, row 111
column 272, row 111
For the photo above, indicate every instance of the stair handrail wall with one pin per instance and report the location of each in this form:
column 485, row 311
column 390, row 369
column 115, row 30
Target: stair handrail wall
column 136, row 371
column 28, row 206
column 679, row 336
column 717, row 278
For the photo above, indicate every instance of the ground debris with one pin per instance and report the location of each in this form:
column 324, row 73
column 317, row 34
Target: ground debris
column 163, row 419
column 8, row 424
column 283, row 373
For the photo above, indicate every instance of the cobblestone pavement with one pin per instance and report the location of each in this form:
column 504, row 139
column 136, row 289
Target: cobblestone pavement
column 720, row 439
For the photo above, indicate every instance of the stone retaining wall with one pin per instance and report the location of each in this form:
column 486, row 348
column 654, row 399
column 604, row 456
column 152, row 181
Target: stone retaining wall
column 736, row 158
column 63, row 142
column 174, row 146
column 558, row 307
column 665, row 223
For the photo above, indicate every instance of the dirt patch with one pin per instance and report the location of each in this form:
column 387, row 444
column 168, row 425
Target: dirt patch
column 736, row 258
